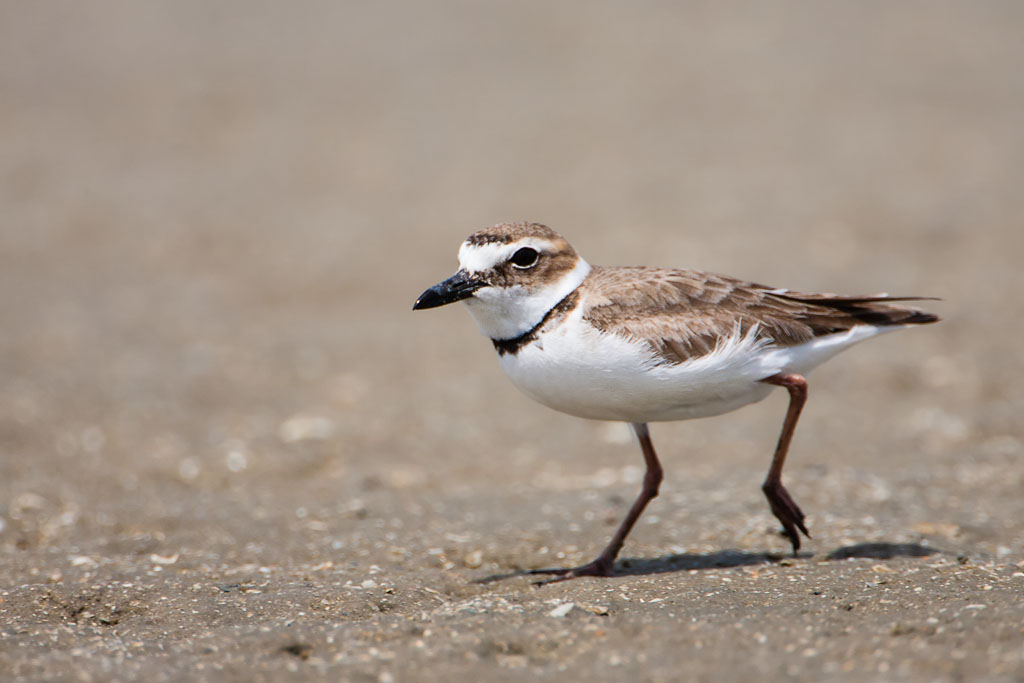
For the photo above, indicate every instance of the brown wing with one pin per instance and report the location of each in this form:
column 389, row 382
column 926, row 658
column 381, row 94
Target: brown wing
column 683, row 314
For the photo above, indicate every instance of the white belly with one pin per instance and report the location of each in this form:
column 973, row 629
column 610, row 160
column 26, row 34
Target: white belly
column 577, row 370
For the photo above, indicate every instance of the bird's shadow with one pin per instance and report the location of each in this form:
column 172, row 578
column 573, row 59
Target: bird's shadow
column 882, row 551
column 725, row 559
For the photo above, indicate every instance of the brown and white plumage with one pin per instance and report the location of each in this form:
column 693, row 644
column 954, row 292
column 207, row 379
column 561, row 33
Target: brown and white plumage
column 640, row 344
column 683, row 314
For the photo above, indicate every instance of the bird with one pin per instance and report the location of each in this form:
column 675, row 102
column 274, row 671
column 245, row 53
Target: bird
column 643, row 344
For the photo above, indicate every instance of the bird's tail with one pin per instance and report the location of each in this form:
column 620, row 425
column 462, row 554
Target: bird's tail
column 876, row 309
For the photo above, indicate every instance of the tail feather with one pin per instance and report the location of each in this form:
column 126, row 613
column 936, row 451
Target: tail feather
column 871, row 310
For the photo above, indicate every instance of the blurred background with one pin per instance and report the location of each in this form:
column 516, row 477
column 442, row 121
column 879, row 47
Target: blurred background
column 222, row 426
column 216, row 217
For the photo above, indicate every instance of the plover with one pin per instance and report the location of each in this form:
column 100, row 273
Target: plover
column 640, row 344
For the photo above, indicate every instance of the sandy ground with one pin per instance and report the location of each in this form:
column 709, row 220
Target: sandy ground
column 230, row 451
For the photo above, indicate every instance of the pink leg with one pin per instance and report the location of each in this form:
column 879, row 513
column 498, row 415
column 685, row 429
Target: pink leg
column 602, row 566
column 782, row 504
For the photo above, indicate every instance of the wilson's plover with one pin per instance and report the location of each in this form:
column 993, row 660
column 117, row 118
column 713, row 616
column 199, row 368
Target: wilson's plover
column 640, row 345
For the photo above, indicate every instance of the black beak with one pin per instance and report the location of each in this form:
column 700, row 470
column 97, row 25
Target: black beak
column 455, row 288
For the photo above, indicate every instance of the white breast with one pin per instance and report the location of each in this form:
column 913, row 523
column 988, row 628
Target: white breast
column 576, row 369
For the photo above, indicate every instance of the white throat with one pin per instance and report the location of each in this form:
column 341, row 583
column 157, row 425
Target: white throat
column 507, row 312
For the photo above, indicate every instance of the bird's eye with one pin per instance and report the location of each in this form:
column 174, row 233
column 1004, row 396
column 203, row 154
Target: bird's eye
column 525, row 258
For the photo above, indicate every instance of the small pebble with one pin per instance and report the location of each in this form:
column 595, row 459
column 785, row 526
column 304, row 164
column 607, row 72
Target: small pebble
column 562, row 610
column 164, row 559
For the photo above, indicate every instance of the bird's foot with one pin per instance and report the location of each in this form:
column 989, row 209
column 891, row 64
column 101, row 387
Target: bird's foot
column 786, row 511
column 602, row 566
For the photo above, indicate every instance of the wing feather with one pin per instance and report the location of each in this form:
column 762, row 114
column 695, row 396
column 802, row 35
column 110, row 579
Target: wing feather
column 683, row 314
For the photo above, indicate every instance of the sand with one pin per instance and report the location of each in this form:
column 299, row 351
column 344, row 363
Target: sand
column 230, row 451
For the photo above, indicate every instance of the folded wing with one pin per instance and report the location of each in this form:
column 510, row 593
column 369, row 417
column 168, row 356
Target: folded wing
column 683, row 314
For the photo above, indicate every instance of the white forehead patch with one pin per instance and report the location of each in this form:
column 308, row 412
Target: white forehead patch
column 478, row 258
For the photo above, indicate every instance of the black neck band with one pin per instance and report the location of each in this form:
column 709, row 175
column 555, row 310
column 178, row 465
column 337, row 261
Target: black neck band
column 513, row 345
